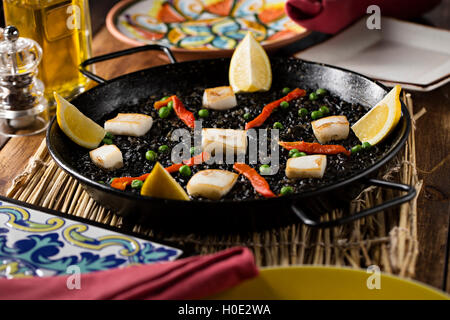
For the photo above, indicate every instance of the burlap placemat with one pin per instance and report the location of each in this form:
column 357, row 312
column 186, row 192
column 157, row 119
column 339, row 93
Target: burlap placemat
column 388, row 239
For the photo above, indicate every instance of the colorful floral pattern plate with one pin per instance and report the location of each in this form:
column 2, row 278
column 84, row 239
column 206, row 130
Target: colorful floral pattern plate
column 37, row 243
column 202, row 25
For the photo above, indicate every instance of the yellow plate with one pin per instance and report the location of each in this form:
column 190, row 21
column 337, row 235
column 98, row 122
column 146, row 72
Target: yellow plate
column 325, row 283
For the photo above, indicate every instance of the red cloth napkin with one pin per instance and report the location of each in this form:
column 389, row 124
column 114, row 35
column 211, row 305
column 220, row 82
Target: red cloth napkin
column 331, row 16
column 190, row 278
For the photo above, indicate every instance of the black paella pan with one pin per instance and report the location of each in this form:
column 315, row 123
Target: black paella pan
column 307, row 206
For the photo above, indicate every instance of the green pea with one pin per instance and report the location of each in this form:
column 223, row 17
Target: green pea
column 164, row 98
column 246, row 116
column 107, row 141
column 136, row 184
column 356, row 148
column 313, row 96
column 109, row 135
column 203, row 113
column 286, row 190
column 278, row 125
column 265, row 169
column 164, row 112
column 151, row 155
column 321, row 92
column 286, row 90
column 101, row 182
column 316, row 114
column 324, row 109
column 163, row 148
column 366, row 145
column 284, row 105
column 194, row 150
column 302, row 112
column 185, row 171
column 111, row 180
column 298, row 154
column 292, row 152
column 170, row 105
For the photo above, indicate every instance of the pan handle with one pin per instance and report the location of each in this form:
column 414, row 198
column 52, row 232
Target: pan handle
column 410, row 194
column 117, row 54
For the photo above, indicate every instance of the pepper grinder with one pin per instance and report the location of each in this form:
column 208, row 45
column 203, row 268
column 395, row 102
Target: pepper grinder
column 23, row 108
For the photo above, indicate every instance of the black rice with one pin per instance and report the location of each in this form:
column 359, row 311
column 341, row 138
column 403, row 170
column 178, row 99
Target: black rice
column 296, row 128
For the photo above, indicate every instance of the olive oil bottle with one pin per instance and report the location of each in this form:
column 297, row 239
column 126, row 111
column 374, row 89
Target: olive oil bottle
column 63, row 30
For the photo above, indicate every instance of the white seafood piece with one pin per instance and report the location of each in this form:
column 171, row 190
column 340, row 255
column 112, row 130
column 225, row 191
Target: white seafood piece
column 211, row 184
column 224, row 140
column 331, row 128
column 306, row 167
column 129, row 124
column 107, row 157
column 220, row 98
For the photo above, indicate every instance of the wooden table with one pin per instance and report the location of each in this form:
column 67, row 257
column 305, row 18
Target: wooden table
column 433, row 159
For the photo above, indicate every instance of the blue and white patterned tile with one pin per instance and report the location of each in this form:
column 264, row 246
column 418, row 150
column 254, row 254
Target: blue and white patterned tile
column 35, row 243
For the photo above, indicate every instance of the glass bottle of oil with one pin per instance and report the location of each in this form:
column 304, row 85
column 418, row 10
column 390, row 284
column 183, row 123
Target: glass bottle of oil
column 63, row 29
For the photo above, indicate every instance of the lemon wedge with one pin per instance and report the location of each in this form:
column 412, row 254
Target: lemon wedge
column 375, row 125
column 79, row 128
column 160, row 184
column 250, row 69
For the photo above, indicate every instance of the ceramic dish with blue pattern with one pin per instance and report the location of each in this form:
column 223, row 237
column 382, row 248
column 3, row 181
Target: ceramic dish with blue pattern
column 202, row 25
column 39, row 242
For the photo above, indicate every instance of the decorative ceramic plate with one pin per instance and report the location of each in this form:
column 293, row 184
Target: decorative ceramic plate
column 328, row 283
column 37, row 243
column 202, row 25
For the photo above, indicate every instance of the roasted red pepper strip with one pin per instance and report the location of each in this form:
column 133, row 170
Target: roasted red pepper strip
column 258, row 182
column 185, row 115
column 200, row 158
column 122, row 183
column 268, row 109
column 162, row 103
column 315, row 148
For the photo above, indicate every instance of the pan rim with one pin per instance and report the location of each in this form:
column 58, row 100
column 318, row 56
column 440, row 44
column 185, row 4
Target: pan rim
column 405, row 119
